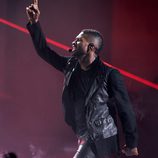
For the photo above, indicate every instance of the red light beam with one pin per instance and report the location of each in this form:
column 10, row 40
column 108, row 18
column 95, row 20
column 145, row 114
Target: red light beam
column 134, row 77
column 59, row 45
column 17, row 27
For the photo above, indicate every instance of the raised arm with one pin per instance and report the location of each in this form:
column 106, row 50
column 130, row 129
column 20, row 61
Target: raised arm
column 39, row 41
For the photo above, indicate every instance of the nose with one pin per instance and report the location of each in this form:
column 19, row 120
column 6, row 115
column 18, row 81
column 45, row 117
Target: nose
column 74, row 42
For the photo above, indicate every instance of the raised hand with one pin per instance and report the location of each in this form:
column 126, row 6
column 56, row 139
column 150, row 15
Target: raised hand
column 33, row 12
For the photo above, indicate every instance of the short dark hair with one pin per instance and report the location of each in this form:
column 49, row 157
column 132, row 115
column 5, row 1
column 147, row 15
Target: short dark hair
column 96, row 34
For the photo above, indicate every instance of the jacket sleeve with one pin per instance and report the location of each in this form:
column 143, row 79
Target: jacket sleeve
column 125, row 111
column 40, row 44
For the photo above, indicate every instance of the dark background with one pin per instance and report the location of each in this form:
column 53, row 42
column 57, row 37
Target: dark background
column 31, row 118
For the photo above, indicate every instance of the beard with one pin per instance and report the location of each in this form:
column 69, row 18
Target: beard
column 78, row 53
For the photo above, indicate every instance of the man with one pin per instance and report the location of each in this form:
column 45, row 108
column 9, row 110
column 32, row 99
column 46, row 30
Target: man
column 92, row 94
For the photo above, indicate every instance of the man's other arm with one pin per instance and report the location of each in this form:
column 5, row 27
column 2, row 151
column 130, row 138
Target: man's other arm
column 125, row 111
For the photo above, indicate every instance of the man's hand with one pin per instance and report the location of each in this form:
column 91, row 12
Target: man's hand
column 130, row 152
column 33, row 12
column 81, row 141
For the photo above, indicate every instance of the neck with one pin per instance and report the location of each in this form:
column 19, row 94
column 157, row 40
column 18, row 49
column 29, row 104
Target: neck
column 86, row 61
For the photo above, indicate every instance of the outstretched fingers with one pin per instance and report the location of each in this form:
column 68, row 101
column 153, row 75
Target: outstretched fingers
column 33, row 12
column 35, row 2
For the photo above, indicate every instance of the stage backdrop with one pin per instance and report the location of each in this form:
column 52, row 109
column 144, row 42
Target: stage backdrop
column 31, row 114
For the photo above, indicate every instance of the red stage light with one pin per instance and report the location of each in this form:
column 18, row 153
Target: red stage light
column 134, row 77
column 57, row 44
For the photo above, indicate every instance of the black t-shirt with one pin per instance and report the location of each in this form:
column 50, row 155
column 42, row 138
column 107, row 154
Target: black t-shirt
column 80, row 84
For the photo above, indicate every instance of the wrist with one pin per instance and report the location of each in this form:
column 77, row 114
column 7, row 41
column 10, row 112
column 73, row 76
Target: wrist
column 33, row 21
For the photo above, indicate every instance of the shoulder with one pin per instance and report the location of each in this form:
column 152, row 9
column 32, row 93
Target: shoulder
column 112, row 74
column 107, row 68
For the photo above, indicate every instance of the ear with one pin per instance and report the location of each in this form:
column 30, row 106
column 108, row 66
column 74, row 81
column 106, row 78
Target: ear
column 91, row 47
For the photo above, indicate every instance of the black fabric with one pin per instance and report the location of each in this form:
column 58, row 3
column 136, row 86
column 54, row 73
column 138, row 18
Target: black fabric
column 117, row 91
column 80, row 83
column 40, row 44
column 106, row 146
column 81, row 80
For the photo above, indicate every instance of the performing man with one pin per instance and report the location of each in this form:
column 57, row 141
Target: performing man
column 93, row 93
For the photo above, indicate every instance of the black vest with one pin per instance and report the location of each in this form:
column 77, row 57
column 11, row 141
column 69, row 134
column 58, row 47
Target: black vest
column 99, row 121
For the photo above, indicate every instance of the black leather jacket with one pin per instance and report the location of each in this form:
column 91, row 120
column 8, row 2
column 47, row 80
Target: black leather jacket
column 99, row 121
column 107, row 94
